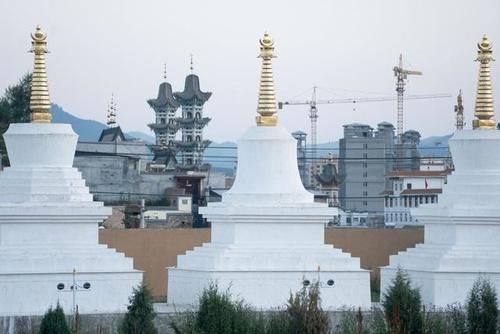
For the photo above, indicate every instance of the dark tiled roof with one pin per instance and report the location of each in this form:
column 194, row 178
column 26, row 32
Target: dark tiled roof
column 192, row 92
column 328, row 176
column 419, row 173
column 421, row 191
column 165, row 97
column 112, row 135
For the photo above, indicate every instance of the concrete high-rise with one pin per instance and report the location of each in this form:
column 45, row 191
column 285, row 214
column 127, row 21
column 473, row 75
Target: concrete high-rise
column 366, row 156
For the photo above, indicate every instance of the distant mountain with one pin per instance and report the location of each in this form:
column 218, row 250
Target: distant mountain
column 141, row 136
column 86, row 129
column 89, row 130
column 221, row 155
column 435, row 146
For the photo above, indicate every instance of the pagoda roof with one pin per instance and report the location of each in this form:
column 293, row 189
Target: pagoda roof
column 192, row 92
column 329, row 175
column 112, row 135
column 165, row 97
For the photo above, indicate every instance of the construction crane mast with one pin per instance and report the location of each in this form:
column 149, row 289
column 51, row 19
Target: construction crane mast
column 401, row 75
column 459, row 109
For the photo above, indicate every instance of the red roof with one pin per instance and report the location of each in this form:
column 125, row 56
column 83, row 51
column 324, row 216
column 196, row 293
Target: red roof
column 421, row 191
column 419, row 173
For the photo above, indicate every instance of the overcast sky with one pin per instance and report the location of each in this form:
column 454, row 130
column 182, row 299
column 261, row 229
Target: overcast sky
column 346, row 47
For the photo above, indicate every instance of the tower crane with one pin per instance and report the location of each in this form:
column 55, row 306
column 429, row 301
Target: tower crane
column 401, row 75
column 459, row 109
column 313, row 110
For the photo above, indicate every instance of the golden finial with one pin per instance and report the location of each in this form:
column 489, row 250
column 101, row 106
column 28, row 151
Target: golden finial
column 484, row 110
column 267, row 99
column 40, row 99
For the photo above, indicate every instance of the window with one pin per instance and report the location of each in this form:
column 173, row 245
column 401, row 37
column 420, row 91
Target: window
column 406, row 201
column 408, row 186
column 163, row 121
column 426, row 199
column 400, row 216
column 189, row 115
column 390, row 201
column 365, row 184
column 401, row 186
column 365, row 155
column 432, row 199
column 365, row 165
column 184, row 201
column 365, row 203
column 365, row 174
column 365, row 146
column 421, row 199
column 406, row 217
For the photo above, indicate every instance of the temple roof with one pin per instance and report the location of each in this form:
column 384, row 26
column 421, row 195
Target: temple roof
column 192, row 92
column 113, row 134
column 165, row 97
column 329, row 176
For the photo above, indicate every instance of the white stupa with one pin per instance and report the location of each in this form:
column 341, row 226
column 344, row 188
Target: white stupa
column 49, row 221
column 462, row 231
column 267, row 233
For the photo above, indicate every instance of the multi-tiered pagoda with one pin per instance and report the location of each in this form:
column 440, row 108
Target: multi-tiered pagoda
column 165, row 126
column 186, row 153
column 192, row 122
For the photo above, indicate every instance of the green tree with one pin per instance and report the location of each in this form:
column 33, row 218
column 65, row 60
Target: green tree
column 140, row 314
column 14, row 108
column 482, row 308
column 402, row 306
column 54, row 322
column 218, row 313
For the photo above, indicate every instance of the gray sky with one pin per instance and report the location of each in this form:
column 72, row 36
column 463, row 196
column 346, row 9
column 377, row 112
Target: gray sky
column 347, row 47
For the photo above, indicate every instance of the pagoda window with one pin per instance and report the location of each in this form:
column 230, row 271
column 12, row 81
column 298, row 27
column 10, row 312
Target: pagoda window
column 163, row 121
column 189, row 115
column 189, row 138
column 170, row 121
column 198, row 115
column 198, row 138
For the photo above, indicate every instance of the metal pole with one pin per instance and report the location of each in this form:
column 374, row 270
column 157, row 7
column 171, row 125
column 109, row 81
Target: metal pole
column 143, row 222
column 73, row 288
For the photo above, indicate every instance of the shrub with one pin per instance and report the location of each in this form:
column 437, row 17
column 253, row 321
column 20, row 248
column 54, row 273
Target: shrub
column 54, row 322
column 377, row 324
column 306, row 314
column 218, row 313
column 140, row 313
column 402, row 306
column 482, row 308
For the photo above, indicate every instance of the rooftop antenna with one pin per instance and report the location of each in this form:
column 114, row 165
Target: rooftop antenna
column 165, row 72
column 191, row 63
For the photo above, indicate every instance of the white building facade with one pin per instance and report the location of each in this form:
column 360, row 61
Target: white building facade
column 410, row 189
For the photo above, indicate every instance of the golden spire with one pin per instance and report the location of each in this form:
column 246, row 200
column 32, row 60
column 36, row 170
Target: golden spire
column 111, row 116
column 40, row 99
column 484, row 110
column 267, row 98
